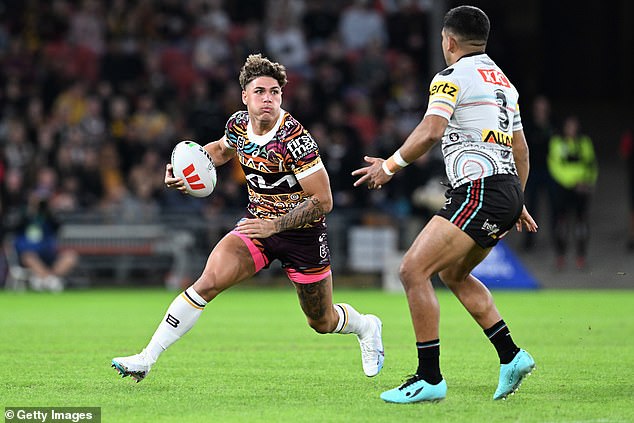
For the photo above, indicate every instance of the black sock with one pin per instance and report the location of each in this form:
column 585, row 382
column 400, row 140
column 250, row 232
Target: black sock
column 429, row 361
column 500, row 337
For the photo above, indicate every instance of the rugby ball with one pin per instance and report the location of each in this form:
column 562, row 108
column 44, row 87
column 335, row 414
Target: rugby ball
column 194, row 166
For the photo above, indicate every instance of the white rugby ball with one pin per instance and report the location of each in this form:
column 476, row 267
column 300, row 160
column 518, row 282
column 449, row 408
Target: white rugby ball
column 193, row 164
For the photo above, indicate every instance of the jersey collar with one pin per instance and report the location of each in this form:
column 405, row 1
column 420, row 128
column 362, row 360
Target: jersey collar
column 473, row 53
column 265, row 138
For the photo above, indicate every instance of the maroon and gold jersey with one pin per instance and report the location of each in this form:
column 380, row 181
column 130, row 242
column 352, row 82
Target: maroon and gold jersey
column 274, row 163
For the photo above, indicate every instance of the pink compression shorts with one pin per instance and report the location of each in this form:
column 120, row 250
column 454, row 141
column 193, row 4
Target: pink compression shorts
column 304, row 253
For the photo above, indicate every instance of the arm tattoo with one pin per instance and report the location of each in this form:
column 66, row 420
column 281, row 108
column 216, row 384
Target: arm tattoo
column 306, row 212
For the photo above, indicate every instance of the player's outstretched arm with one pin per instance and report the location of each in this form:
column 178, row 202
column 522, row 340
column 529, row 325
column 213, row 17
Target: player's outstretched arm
column 428, row 132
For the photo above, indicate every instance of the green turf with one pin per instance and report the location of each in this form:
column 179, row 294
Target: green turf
column 251, row 358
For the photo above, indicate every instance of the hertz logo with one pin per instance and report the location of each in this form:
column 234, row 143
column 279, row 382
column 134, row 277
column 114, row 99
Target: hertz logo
column 193, row 178
column 497, row 137
column 444, row 89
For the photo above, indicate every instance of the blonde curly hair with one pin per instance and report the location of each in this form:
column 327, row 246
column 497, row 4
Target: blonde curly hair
column 256, row 66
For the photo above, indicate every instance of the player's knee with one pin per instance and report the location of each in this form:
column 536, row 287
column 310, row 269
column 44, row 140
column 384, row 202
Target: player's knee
column 411, row 273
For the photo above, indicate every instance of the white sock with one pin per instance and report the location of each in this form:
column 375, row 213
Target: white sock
column 180, row 317
column 350, row 320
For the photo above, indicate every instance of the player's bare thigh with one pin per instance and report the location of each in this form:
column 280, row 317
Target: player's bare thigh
column 439, row 245
column 315, row 300
column 229, row 263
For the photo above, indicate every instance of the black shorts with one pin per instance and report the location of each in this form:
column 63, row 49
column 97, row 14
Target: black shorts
column 304, row 253
column 485, row 209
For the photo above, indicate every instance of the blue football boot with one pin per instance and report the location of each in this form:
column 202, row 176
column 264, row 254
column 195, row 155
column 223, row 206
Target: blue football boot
column 512, row 374
column 416, row 389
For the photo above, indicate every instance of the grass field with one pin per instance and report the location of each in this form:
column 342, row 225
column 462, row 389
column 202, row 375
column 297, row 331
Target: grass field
column 252, row 358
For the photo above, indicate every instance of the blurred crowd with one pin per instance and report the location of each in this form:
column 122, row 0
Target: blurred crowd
column 95, row 94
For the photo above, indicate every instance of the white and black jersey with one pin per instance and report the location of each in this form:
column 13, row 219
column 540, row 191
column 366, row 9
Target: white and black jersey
column 481, row 106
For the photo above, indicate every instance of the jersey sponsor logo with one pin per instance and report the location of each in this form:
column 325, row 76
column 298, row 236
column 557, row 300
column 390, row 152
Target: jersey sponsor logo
column 260, row 182
column 444, row 89
column 494, row 76
column 302, row 146
column 497, row 137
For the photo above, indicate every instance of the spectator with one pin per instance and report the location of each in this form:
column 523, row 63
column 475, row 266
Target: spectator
column 18, row 150
column 627, row 153
column 211, row 14
column 360, row 24
column 211, row 51
column 408, row 26
column 250, row 40
column 371, row 71
column 37, row 249
column 146, row 176
column 122, row 65
column 539, row 131
column 70, row 106
column 93, row 125
column 87, row 28
column 14, row 189
column 150, row 124
column 203, row 112
column 286, row 43
column 573, row 166
column 319, row 22
column 329, row 82
column 91, row 186
column 361, row 116
column 340, row 156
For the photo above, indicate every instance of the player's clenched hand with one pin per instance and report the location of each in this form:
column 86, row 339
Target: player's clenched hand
column 372, row 175
column 172, row 181
column 526, row 220
column 256, row 228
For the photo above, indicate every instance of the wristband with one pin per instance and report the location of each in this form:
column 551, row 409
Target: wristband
column 386, row 169
column 398, row 159
column 394, row 163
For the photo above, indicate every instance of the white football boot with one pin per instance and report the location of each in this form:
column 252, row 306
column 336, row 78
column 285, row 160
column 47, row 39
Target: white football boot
column 372, row 354
column 137, row 366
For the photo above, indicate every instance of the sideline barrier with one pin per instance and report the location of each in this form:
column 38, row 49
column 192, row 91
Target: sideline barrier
column 501, row 269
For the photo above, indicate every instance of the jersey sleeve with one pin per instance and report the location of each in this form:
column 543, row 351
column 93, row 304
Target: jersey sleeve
column 443, row 94
column 302, row 152
column 517, row 119
column 231, row 137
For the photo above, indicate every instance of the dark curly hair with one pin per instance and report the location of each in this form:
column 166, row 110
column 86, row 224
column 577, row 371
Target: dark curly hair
column 256, row 66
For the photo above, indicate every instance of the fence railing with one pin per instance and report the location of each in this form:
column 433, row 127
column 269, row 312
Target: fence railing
column 175, row 246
